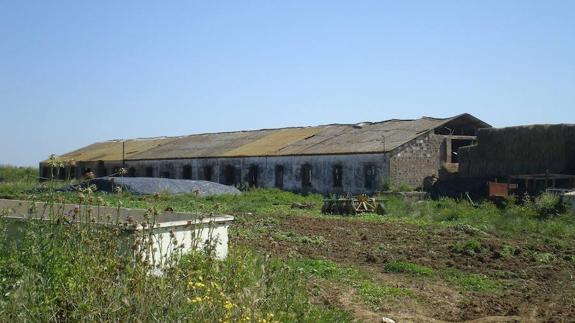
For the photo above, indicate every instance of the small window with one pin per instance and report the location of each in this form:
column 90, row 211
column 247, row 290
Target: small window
column 132, row 172
column 62, row 173
column 370, row 176
column 306, row 175
column 187, row 173
column 101, row 170
column 149, row 172
column 88, row 173
column 337, row 174
column 279, row 177
column 253, row 176
column 230, row 175
column 208, row 170
column 46, row 173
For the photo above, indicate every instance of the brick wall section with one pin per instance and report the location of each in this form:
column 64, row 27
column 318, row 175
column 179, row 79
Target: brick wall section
column 419, row 158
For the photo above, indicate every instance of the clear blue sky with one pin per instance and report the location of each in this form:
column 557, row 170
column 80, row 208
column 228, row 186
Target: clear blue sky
column 76, row 72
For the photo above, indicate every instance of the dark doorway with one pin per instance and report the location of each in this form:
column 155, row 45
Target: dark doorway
column 101, row 170
column 230, row 175
column 46, row 173
column 306, row 175
column 455, row 145
column 165, row 174
column 369, row 174
column 149, row 171
column 187, row 173
column 337, row 174
column 131, row 172
column 62, row 173
column 208, row 170
column 253, row 176
column 279, row 177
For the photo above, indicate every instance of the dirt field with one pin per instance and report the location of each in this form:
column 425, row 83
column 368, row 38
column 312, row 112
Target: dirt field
column 535, row 278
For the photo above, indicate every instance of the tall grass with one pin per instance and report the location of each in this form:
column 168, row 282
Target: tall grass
column 542, row 216
column 14, row 181
column 60, row 271
column 17, row 174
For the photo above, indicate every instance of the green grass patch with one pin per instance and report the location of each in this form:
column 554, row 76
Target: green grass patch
column 372, row 292
column 58, row 272
column 514, row 219
column 463, row 281
column 469, row 247
column 470, row 282
column 544, row 257
column 327, row 269
column 507, row 251
column 18, row 174
column 408, row 268
column 542, row 216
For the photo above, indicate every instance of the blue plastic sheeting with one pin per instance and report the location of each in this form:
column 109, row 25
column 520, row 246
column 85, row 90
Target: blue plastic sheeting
column 148, row 185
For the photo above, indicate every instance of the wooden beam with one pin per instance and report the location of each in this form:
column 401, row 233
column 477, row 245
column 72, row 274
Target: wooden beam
column 448, row 150
column 460, row 137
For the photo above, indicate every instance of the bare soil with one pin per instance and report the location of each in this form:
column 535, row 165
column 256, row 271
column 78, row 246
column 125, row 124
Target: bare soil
column 533, row 289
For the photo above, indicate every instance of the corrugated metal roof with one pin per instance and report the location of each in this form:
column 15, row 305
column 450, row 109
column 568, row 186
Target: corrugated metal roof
column 274, row 142
column 112, row 150
column 329, row 139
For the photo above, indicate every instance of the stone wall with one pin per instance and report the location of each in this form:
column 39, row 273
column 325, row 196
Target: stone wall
column 520, row 150
column 419, row 158
column 353, row 171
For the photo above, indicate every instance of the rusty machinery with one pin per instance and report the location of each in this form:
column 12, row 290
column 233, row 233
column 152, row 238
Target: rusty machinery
column 352, row 205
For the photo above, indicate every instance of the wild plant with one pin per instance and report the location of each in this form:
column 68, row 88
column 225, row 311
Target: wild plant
column 87, row 263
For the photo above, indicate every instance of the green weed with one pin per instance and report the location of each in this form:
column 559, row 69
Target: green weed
column 294, row 237
column 507, row 251
column 469, row 247
column 63, row 272
column 543, row 257
column 408, row 268
column 470, row 282
column 371, row 291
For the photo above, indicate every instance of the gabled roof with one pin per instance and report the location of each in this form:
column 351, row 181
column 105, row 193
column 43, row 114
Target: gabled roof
column 366, row 137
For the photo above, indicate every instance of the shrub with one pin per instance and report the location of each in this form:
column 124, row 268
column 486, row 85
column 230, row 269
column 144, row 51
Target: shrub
column 507, row 251
column 548, row 205
column 543, row 257
column 469, row 247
